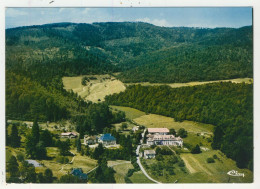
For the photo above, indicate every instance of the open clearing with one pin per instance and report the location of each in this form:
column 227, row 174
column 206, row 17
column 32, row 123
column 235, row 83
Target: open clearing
column 130, row 113
column 158, row 121
column 139, row 177
column 121, row 170
column 176, row 85
column 96, row 89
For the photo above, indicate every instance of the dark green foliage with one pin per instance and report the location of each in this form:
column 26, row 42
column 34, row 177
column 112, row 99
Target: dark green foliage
column 124, row 126
column 35, row 132
column 196, row 149
column 27, row 173
column 70, row 179
column 215, row 156
column 127, row 180
column 46, row 138
column 103, row 174
column 98, row 152
column 172, row 132
column 64, row 147
column 78, row 145
column 48, row 175
column 210, row 160
column 12, row 167
column 14, row 139
column 159, row 157
column 226, row 105
column 182, row 133
column 20, row 157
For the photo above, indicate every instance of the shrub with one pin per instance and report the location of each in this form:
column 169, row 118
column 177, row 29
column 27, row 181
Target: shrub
column 215, row 156
column 127, row 180
column 210, row 160
column 20, row 157
column 181, row 163
column 196, row 150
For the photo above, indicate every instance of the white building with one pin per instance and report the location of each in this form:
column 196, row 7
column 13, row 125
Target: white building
column 164, row 140
column 148, row 154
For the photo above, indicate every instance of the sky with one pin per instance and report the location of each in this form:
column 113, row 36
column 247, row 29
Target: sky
column 213, row 17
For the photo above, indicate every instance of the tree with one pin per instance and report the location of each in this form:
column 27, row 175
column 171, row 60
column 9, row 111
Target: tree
column 40, row 150
column 182, row 133
column 35, row 132
column 210, row 160
column 123, row 126
column 14, row 139
column 46, row 138
column 64, row 147
column 13, row 167
column 48, row 176
column 98, row 152
column 78, row 145
column 196, row 150
column 172, row 132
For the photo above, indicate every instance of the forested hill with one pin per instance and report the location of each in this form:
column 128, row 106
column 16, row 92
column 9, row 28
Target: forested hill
column 141, row 51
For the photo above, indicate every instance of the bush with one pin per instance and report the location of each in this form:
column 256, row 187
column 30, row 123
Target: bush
column 127, row 180
column 159, row 157
column 171, row 171
column 215, row 156
column 181, row 163
column 130, row 172
column 210, row 160
column 20, row 157
column 196, row 150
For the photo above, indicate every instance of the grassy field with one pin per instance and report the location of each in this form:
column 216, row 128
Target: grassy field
column 154, row 121
column 131, row 113
column 96, row 89
column 121, row 170
column 139, row 178
column 176, row 85
column 212, row 172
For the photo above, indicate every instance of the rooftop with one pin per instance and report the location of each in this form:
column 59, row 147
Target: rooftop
column 107, row 137
column 149, row 152
column 158, row 130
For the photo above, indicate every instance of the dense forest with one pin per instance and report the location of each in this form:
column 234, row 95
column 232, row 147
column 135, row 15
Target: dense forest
column 141, row 51
column 228, row 106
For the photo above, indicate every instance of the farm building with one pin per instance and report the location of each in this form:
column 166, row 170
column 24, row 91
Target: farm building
column 69, row 135
column 107, row 139
column 158, row 131
column 90, row 140
column 164, row 140
column 149, row 154
column 79, row 173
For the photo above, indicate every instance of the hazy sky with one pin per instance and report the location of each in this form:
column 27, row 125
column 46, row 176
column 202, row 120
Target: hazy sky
column 168, row 17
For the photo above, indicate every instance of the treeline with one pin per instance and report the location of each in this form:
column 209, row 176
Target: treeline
column 226, row 105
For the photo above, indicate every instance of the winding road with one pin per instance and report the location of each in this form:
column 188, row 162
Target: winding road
column 141, row 167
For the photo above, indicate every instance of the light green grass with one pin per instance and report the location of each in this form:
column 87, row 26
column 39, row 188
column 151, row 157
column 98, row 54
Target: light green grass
column 121, row 171
column 139, row 178
column 131, row 113
column 158, row 121
column 176, row 85
column 213, row 172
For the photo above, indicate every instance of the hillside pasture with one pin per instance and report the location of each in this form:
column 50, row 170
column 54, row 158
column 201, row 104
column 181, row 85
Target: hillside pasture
column 212, row 172
column 96, row 89
column 130, row 113
column 121, row 170
column 158, row 121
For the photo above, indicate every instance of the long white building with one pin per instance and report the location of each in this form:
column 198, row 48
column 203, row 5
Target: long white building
column 159, row 139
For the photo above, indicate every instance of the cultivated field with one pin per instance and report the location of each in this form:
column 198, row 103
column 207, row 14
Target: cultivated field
column 139, row 177
column 176, row 85
column 96, row 89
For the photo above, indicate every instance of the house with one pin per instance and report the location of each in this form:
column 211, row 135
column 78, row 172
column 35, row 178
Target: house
column 79, row 173
column 164, row 140
column 149, row 154
column 107, row 139
column 159, row 131
column 34, row 163
column 69, row 135
column 90, row 139
column 135, row 128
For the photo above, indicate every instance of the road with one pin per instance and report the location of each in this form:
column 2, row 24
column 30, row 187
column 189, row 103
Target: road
column 141, row 167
